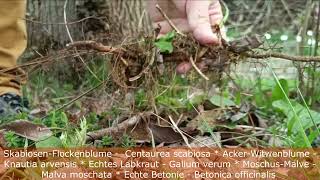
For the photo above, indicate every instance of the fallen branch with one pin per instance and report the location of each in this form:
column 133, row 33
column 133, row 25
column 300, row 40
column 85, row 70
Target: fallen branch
column 95, row 46
column 121, row 127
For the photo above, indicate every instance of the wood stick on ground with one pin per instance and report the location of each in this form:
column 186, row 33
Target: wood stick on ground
column 121, row 127
column 95, row 46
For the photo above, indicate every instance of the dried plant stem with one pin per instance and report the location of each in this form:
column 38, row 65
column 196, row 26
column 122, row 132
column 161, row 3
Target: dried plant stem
column 99, row 47
column 283, row 56
column 102, row 48
column 96, row 46
column 65, row 20
column 169, row 21
column 147, row 68
column 38, row 61
column 197, row 69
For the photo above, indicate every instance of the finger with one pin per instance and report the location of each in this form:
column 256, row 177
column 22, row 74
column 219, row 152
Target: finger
column 215, row 13
column 216, row 16
column 167, row 7
column 154, row 13
column 200, row 21
column 176, row 16
column 165, row 27
column 185, row 67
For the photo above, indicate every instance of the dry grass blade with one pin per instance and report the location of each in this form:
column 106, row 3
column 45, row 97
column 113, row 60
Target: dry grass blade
column 146, row 69
column 179, row 131
column 46, row 59
column 80, row 96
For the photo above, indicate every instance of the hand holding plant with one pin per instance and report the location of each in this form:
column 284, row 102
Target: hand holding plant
column 196, row 16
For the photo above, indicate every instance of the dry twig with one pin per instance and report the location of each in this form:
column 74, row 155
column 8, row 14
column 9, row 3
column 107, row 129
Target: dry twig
column 283, row 56
column 102, row 48
column 95, row 46
column 169, row 21
column 175, row 127
column 146, row 69
column 119, row 128
column 39, row 61
column 197, row 69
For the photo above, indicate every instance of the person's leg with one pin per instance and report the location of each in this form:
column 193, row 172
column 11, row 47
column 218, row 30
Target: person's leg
column 13, row 41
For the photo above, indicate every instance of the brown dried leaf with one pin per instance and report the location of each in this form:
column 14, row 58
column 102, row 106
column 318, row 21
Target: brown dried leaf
column 245, row 44
column 27, row 129
column 139, row 132
column 164, row 134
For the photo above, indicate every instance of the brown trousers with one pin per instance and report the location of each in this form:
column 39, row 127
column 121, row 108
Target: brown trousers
column 13, row 41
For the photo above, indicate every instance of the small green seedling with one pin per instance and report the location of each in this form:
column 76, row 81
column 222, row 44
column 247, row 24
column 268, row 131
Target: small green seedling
column 164, row 43
column 107, row 141
column 127, row 142
column 13, row 140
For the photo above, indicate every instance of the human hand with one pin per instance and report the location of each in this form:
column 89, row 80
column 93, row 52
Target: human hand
column 196, row 16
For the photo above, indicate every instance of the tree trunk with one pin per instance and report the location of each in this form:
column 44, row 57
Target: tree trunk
column 45, row 22
column 87, row 19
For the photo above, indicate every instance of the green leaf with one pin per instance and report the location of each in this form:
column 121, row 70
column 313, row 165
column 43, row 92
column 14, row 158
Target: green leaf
column 164, row 46
column 300, row 130
column 221, row 101
column 238, row 116
column 51, row 142
column 107, row 141
column 165, row 43
column 302, row 112
column 277, row 93
column 196, row 96
column 238, row 98
column 299, row 140
column 169, row 36
column 13, row 140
